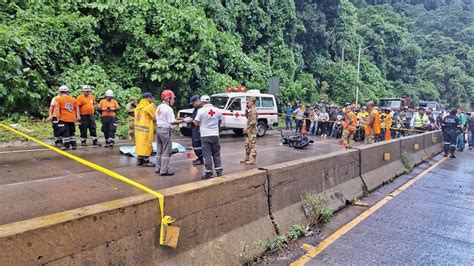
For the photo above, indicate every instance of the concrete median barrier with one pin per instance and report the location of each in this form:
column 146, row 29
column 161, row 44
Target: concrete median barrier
column 222, row 218
column 381, row 162
column 223, row 221
column 335, row 176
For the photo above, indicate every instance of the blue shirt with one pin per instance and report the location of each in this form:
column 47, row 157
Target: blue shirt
column 288, row 112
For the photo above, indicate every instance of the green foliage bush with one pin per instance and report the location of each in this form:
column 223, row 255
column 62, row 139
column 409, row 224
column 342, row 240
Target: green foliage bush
column 422, row 51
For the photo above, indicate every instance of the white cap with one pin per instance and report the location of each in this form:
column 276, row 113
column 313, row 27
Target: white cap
column 109, row 93
column 205, row 98
column 63, row 88
column 86, row 88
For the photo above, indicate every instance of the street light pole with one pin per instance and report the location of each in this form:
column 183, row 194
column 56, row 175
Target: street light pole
column 358, row 75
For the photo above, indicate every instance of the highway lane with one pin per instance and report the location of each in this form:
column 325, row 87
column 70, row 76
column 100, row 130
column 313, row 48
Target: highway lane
column 32, row 186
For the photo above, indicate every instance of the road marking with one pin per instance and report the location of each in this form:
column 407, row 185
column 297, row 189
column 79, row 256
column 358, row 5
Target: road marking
column 349, row 226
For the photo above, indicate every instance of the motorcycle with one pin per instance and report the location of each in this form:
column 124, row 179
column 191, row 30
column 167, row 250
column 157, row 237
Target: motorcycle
column 297, row 142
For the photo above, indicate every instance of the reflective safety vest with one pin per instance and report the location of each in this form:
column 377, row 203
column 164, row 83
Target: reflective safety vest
column 420, row 121
column 377, row 122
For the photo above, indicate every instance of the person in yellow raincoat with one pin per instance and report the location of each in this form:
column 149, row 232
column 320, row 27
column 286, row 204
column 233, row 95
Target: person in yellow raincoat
column 144, row 130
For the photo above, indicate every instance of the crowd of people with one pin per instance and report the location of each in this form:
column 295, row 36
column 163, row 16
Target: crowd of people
column 371, row 123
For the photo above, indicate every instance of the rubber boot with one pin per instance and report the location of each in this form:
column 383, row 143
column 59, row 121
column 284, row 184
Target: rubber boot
column 252, row 160
column 139, row 161
column 446, row 153
column 247, row 158
column 452, row 153
column 207, row 176
column 83, row 143
column 198, row 161
column 96, row 143
column 73, row 145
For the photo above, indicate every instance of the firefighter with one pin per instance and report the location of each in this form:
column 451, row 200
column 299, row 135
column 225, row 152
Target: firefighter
column 451, row 127
column 165, row 121
column 208, row 120
column 349, row 127
column 373, row 124
column 195, row 101
column 109, row 107
column 144, row 115
column 131, row 116
column 387, row 124
column 54, row 120
column 251, row 133
column 67, row 113
column 86, row 104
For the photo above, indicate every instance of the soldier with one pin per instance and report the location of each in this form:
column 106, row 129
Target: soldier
column 451, row 129
column 373, row 124
column 349, row 127
column 131, row 116
column 251, row 133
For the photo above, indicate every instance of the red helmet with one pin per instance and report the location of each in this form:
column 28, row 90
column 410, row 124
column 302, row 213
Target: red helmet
column 167, row 94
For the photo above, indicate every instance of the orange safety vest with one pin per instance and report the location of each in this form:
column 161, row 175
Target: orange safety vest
column 376, row 127
column 377, row 122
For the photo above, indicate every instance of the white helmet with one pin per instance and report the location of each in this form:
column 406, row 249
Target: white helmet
column 205, row 98
column 86, row 88
column 63, row 88
column 109, row 93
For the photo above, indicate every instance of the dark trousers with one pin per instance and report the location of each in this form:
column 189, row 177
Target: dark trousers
column 56, row 132
column 108, row 128
column 196, row 142
column 324, row 126
column 88, row 122
column 298, row 125
column 67, row 131
column 211, row 149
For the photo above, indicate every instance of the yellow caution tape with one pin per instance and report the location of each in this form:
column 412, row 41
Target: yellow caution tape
column 165, row 220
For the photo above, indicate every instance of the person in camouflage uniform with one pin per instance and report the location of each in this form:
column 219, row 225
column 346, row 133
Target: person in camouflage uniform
column 131, row 117
column 349, row 127
column 251, row 133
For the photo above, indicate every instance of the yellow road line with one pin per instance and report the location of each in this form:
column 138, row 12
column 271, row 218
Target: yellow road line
column 99, row 168
column 349, row 226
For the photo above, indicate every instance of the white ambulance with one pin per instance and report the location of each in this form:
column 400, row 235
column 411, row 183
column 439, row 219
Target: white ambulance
column 232, row 106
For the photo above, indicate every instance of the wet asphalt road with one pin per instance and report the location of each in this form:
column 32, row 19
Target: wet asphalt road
column 432, row 222
column 51, row 183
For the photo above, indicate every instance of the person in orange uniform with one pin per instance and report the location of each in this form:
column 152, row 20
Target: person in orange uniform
column 54, row 121
column 349, row 127
column 144, row 130
column 68, row 113
column 373, row 124
column 109, row 107
column 86, row 104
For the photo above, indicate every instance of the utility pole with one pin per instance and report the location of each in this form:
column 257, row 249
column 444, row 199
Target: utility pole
column 342, row 58
column 358, row 76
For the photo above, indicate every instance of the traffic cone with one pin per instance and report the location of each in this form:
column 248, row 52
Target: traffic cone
column 303, row 129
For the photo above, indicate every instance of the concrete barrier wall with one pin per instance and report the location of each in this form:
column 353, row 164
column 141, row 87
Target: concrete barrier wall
column 222, row 220
column 335, row 175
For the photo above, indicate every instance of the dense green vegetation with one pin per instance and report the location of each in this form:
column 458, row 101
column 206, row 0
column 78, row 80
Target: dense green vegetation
column 421, row 49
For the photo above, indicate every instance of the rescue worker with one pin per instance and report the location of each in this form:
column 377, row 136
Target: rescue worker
column 54, row 121
column 144, row 115
column 451, row 127
column 195, row 101
column 109, row 107
column 349, row 127
column 251, row 133
column 131, row 116
column 208, row 119
column 387, row 124
column 373, row 124
column 165, row 121
column 420, row 121
column 86, row 104
column 67, row 113
column 362, row 115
